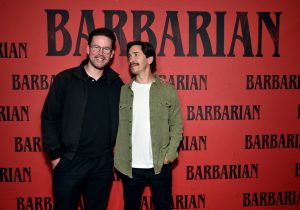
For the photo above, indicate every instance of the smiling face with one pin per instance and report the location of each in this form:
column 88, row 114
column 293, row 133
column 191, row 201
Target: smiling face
column 138, row 63
column 100, row 51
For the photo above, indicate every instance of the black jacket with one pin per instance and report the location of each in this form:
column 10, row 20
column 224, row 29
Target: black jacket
column 64, row 109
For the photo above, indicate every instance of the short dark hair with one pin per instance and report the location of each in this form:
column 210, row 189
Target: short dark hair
column 103, row 32
column 147, row 49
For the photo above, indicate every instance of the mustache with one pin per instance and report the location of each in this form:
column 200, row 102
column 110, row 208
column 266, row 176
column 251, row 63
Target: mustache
column 133, row 63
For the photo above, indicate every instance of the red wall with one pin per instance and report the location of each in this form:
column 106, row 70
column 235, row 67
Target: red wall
column 241, row 119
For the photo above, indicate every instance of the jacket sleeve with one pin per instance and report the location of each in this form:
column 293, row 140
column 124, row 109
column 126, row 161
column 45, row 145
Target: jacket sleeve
column 175, row 125
column 51, row 118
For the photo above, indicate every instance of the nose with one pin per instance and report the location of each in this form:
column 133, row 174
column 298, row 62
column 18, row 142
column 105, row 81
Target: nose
column 100, row 50
column 130, row 59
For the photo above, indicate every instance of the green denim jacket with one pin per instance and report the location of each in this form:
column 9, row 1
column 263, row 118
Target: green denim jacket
column 165, row 125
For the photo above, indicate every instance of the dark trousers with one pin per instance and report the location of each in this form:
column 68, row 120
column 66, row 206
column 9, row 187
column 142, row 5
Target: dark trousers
column 90, row 177
column 160, row 185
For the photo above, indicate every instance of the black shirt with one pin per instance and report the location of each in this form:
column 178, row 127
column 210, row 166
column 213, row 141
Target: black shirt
column 95, row 133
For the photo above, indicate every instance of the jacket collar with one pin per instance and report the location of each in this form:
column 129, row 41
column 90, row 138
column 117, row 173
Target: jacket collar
column 157, row 82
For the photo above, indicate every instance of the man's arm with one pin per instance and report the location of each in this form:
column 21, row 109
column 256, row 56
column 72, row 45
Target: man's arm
column 50, row 119
column 176, row 127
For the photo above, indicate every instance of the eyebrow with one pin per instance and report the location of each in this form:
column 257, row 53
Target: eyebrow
column 100, row 46
column 134, row 52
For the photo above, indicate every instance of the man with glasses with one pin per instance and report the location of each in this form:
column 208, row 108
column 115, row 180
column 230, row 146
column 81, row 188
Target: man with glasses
column 79, row 126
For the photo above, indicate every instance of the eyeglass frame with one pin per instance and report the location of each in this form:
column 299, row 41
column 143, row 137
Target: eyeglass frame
column 97, row 48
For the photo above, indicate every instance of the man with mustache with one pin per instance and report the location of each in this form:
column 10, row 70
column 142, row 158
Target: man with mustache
column 79, row 126
column 149, row 133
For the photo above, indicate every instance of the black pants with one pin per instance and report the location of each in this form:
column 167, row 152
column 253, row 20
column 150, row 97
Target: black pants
column 160, row 185
column 91, row 177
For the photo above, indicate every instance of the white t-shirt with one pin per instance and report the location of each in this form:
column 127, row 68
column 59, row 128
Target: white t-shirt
column 141, row 135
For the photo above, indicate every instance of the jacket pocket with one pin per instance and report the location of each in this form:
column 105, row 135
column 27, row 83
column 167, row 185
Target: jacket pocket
column 123, row 111
column 163, row 109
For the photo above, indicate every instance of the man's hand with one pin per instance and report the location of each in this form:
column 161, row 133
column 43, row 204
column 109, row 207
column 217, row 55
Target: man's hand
column 166, row 161
column 55, row 162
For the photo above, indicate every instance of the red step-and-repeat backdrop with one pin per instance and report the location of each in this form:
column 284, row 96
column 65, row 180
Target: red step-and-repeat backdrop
column 234, row 63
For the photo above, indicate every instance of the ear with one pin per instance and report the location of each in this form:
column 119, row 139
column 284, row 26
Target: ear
column 150, row 60
column 88, row 49
column 112, row 54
